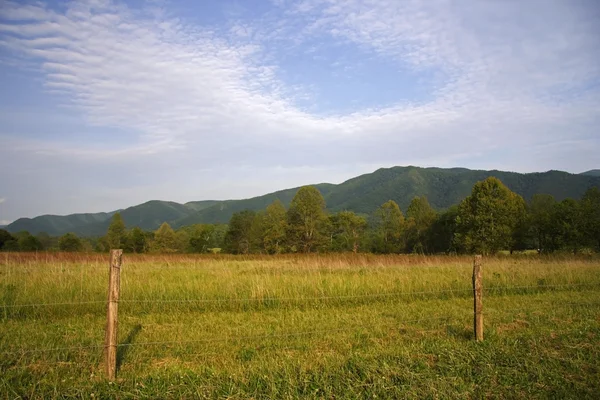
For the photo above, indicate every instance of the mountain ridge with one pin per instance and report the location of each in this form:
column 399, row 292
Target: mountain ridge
column 443, row 187
column 591, row 172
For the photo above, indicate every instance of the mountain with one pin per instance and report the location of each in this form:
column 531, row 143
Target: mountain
column 201, row 205
column 147, row 216
column 57, row 224
column 222, row 211
column 591, row 172
column 362, row 194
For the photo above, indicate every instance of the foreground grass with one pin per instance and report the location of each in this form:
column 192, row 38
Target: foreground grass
column 313, row 327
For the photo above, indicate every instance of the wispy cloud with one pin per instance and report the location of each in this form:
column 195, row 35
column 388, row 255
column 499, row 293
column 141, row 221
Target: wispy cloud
column 503, row 75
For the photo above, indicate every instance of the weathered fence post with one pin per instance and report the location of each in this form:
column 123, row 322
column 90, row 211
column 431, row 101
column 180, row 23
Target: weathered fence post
column 477, row 299
column 114, row 287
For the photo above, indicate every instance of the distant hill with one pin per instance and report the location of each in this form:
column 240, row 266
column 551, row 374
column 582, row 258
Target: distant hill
column 362, row 194
column 57, row 224
column 591, row 172
column 148, row 216
column 222, row 211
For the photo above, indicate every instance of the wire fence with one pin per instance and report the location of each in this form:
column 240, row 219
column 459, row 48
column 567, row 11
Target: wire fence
column 490, row 291
column 223, row 338
column 309, row 298
column 238, row 338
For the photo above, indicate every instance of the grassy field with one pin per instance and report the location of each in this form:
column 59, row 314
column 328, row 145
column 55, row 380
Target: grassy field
column 332, row 326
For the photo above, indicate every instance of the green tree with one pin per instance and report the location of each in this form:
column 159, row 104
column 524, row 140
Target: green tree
column 199, row 237
column 27, row 242
column 274, row 225
column 590, row 209
column 568, row 220
column 441, row 233
column 420, row 216
column 165, row 240
column 389, row 226
column 306, row 219
column 101, row 245
column 488, row 218
column 540, row 211
column 237, row 238
column 70, row 242
column 347, row 231
column 136, row 241
column 116, row 235
column 183, row 241
column 256, row 233
column 5, row 237
column 204, row 237
column 522, row 237
column 48, row 242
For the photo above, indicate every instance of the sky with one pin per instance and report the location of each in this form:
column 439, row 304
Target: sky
column 107, row 104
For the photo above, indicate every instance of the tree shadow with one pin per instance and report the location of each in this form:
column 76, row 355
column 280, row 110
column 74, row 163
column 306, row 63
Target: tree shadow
column 124, row 347
column 459, row 332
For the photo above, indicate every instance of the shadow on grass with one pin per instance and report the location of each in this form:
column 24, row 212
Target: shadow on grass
column 124, row 347
column 459, row 332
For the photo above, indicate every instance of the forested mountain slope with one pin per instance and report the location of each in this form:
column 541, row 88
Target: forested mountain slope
column 362, row 194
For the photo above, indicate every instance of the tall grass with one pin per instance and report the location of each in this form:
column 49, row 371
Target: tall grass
column 301, row 326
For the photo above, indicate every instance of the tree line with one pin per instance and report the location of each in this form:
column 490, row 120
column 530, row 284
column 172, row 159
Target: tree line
column 491, row 219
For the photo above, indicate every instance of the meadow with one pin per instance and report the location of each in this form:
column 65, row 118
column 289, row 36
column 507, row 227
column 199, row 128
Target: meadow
column 301, row 326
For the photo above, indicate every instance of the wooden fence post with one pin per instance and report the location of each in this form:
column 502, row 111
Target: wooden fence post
column 477, row 299
column 114, row 287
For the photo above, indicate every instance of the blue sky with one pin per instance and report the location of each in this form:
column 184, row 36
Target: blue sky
column 106, row 104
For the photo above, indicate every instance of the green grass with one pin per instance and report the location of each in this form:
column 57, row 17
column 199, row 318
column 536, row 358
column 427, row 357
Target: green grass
column 312, row 327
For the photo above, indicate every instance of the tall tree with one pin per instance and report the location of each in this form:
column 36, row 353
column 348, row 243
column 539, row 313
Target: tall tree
column 47, row 241
column 237, row 239
column 568, row 221
column 116, row 235
column 5, row 236
column 136, row 241
column 70, row 242
column 306, row 218
column 441, row 233
column 540, row 212
column 205, row 237
column 389, row 225
column 200, row 237
column 420, row 216
column 488, row 217
column 347, row 231
column 165, row 240
column 182, row 241
column 257, row 233
column 27, row 242
column 590, row 209
column 274, row 228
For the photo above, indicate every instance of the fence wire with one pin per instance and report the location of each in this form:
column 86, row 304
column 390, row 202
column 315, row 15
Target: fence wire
column 227, row 338
column 306, row 298
column 236, row 338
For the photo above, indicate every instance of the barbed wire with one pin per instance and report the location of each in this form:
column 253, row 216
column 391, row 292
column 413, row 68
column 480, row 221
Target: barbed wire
column 266, row 299
column 52, row 304
column 25, row 351
column 493, row 288
column 513, row 311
